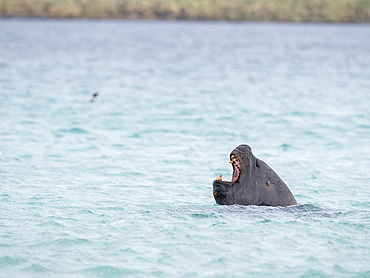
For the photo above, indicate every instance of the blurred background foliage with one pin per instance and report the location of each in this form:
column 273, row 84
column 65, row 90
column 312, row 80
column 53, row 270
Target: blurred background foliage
column 234, row 10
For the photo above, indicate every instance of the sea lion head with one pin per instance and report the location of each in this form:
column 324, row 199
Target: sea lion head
column 243, row 162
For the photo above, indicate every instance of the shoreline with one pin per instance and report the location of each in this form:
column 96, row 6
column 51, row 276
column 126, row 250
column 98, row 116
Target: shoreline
column 314, row 11
column 19, row 18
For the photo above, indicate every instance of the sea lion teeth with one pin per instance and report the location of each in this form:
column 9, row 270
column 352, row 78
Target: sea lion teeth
column 233, row 159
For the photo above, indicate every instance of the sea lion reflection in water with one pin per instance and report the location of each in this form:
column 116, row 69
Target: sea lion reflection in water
column 253, row 183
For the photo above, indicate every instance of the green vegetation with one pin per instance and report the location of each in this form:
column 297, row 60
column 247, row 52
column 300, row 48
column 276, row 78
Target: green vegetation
column 241, row 10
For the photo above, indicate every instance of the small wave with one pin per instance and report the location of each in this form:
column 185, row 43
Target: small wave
column 70, row 242
column 108, row 271
column 287, row 146
column 8, row 260
column 303, row 210
column 36, row 268
column 204, row 215
column 50, row 223
column 75, row 130
column 61, row 242
column 298, row 211
column 10, row 158
column 365, row 204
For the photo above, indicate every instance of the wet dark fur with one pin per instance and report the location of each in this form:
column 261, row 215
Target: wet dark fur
column 258, row 184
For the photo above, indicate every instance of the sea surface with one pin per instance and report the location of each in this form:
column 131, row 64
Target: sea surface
column 122, row 186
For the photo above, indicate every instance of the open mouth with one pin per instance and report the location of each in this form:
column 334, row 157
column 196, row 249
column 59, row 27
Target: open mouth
column 236, row 168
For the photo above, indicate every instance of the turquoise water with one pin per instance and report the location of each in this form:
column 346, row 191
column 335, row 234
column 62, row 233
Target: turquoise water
column 123, row 186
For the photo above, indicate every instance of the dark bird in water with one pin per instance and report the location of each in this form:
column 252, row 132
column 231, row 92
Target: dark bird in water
column 94, row 96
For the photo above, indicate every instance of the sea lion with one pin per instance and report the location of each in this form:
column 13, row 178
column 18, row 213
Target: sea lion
column 253, row 183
